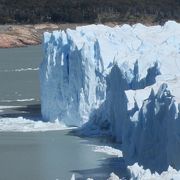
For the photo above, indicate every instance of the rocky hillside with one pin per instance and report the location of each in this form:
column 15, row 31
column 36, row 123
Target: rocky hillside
column 23, row 35
column 89, row 11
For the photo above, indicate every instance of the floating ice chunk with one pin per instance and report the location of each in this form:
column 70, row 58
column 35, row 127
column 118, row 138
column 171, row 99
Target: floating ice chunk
column 73, row 177
column 21, row 124
column 113, row 177
column 108, row 150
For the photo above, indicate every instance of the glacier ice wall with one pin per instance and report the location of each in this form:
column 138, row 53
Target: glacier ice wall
column 151, row 136
column 71, row 82
column 122, row 82
column 77, row 62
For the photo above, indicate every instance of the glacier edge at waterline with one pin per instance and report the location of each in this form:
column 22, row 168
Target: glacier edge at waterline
column 121, row 81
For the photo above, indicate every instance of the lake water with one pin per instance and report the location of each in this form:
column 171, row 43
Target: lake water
column 19, row 79
column 19, row 76
column 51, row 155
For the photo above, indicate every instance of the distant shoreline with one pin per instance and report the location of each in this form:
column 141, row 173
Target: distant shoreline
column 12, row 36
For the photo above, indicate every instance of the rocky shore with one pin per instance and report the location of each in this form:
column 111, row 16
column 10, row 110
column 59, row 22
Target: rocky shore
column 24, row 35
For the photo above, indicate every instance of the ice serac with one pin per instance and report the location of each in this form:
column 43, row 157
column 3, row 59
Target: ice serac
column 71, row 77
column 153, row 137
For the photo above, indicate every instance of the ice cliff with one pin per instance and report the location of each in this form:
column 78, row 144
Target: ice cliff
column 77, row 62
column 151, row 132
column 122, row 81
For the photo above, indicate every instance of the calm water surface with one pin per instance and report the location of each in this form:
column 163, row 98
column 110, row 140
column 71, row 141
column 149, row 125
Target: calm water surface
column 51, row 156
column 19, row 77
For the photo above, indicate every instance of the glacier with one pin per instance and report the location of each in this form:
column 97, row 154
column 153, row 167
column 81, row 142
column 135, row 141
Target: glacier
column 151, row 133
column 121, row 82
column 77, row 62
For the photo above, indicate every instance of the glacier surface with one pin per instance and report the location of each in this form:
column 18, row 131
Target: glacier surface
column 77, row 62
column 123, row 82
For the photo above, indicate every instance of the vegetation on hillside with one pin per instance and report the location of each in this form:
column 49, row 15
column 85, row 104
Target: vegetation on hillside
column 88, row 11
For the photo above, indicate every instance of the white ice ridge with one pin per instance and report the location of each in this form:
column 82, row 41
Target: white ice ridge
column 111, row 177
column 76, row 63
column 137, row 172
column 21, row 124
